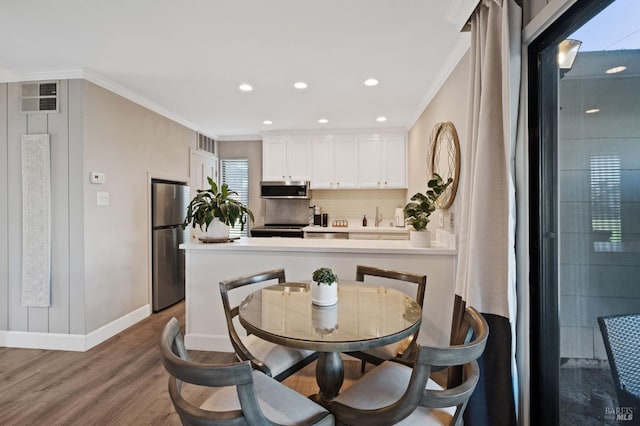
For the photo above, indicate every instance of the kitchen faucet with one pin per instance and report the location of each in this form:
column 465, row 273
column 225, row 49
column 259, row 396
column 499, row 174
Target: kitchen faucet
column 378, row 216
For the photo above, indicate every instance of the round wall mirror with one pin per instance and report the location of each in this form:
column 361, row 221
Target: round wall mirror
column 444, row 159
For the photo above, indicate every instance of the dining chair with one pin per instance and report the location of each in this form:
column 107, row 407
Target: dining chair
column 405, row 347
column 621, row 335
column 398, row 392
column 240, row 395
column 274, row 360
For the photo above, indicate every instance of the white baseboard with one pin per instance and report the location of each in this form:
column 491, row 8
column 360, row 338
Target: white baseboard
column 72, row 342
column 114, row 327
column 207, row 342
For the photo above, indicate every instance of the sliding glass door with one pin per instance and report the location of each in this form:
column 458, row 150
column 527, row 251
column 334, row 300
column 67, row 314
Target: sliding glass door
column 585, row 233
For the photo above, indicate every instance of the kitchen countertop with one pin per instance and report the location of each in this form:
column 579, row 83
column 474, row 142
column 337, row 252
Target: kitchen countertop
column 358, row 229
column 321, row 245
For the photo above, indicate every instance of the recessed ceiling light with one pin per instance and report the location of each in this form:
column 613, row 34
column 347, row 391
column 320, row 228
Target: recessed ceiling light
column 267, row 122
column 616, row 70
column 371, row 82
column 300, row 85
column 323, row 121
column 592, row 111
column 245, row 87
column 381, row 119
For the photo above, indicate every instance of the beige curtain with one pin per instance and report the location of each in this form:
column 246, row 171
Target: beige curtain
column 486, row 274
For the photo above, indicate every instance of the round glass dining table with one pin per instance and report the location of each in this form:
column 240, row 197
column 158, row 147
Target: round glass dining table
column 365, row 316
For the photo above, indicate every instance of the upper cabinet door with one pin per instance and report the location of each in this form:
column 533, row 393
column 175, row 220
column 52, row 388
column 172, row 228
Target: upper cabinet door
column 395, row 162
column 345, row 158
column 370, row 162
column 322, row 164
column 274, row 158
column 298, row 164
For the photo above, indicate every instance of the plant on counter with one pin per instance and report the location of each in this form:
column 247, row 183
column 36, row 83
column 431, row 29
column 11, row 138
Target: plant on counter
column 418, row 211
column 324, row 276
column 216, row 203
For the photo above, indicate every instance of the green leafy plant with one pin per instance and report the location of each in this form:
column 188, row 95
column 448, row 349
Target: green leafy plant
column 216, row 203
column 324, row 275
column 417, row 212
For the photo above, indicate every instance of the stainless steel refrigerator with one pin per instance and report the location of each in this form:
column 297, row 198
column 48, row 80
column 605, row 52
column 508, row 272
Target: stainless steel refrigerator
column 168, row 208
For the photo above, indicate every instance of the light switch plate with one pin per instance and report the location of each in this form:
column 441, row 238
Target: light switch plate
column 103, row 199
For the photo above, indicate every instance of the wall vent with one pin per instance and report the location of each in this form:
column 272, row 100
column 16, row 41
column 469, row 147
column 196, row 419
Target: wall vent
column 39, row 97
column 205, row 143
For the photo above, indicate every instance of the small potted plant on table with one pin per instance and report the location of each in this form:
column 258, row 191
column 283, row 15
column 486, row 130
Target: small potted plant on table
column 418, row 211
column 216, row 210
column 324, row 289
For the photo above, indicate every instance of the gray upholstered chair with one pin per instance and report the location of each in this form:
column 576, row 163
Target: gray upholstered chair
column 274, row 360
column 243, row 396
column 405, row 347
column 621, row 335
column 396, row 393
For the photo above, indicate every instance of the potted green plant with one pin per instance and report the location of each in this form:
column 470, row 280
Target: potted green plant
column 417, row 212
column 324, row 290
column 216, row 208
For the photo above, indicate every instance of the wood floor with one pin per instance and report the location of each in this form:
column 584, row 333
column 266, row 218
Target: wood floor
column 120, row 381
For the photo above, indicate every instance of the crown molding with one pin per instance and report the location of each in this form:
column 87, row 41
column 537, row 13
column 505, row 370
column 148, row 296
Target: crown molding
column 458, row 51
column 99, row 80
column 22, row 76
column 243, row 138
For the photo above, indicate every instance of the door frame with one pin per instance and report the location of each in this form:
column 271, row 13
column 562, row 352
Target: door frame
column 543, row 217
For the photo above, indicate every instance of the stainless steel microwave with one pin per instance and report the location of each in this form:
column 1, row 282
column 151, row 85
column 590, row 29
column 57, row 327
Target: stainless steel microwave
column 282, row 189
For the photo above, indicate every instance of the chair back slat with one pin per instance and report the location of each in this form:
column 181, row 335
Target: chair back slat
column 621, row 335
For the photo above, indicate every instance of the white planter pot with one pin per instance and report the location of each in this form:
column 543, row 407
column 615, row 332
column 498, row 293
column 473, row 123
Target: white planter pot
column 420, row 238
column 324, row 294
column 217, row 229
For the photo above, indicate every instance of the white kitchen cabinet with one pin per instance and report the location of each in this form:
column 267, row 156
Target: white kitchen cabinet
column 370, row 156
column 286, row 158
column 394, row 161
column 334, row 162
column 383, row 161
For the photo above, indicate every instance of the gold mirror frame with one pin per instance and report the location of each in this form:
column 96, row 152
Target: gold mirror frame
column 444, row 141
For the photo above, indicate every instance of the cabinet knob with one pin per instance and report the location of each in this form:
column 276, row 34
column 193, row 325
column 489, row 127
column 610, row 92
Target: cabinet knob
column 338, row 183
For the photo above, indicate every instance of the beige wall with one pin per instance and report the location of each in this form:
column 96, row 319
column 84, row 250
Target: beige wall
column 449, row 104
column 130, row 144
column 252, row 150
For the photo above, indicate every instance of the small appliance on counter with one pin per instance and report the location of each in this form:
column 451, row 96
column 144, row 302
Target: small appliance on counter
column 317, row 215
column 399, row 217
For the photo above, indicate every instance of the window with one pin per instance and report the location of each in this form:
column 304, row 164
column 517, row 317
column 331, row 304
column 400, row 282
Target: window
column 235, row 173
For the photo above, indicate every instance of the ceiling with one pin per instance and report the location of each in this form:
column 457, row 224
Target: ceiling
column 186, row 58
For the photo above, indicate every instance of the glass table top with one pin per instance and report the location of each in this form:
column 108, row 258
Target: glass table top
column 364, row 316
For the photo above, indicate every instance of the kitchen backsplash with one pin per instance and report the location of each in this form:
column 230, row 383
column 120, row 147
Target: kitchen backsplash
column 353, row 204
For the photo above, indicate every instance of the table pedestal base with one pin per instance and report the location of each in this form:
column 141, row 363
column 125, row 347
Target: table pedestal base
column 329, row 375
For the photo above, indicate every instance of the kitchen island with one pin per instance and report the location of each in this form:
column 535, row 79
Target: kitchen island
column 208, row 264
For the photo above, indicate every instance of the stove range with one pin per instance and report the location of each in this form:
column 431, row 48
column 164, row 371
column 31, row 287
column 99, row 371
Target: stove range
column 277, row 230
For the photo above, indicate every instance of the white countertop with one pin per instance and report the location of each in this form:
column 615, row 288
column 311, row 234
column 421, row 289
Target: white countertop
column 358, row 229
column 321, row 245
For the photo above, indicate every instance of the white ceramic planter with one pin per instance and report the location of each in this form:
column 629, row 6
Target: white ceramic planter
column 420, row 238
column 324, row 294
column 217, row 229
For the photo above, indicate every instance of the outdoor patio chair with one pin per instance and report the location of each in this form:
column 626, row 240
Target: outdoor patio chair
column 621, row 335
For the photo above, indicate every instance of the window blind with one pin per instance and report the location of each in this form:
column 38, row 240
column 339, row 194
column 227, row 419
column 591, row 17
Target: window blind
column 235, row 173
